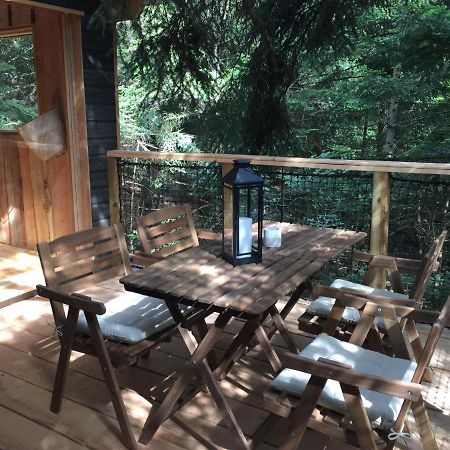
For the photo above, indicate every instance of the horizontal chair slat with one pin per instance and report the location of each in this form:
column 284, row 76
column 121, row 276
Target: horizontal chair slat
column 86, row 267
column 153, row 232
column 81, row 238
column 172, row 249
column 90, row 280
column 65, row 259
column 170, row 237
column 163, row 214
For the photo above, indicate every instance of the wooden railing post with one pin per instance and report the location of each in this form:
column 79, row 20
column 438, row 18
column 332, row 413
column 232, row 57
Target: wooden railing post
column 380, row 220
column 227, row 201
column 113, row 186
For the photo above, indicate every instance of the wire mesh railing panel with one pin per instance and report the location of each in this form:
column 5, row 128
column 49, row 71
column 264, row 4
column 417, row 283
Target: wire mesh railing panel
column 146, row 186
column 419, row 207
column 419, row 211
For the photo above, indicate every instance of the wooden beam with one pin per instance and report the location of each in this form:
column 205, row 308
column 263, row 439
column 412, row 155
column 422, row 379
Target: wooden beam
column 286, row 161
column 37, row 4
column 16, row 31
column 113, row 185
column 380, row 221
column 76, row 122
column 56, row 173
column 227, row 200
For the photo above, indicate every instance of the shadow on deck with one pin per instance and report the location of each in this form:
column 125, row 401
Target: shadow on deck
column 20, row 271
column 28, row 356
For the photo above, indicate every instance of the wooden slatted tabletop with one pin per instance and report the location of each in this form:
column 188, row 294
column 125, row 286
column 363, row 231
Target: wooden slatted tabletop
column 200, row 277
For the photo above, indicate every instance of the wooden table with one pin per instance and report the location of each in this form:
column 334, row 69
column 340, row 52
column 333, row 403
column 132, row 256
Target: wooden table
column 199, row 277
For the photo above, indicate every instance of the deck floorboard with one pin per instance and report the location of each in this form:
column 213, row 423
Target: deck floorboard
column 28, row 357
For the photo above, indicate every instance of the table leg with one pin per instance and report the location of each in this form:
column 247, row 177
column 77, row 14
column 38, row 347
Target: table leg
column 202, row 328
column 216, row 393
column 237, row 348
column 158, row 415
column 267, row 348
column 197, row 364
column 282, row 328
column 287, row 307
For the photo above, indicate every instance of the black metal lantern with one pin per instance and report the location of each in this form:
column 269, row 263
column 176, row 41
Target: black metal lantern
column 242, row 215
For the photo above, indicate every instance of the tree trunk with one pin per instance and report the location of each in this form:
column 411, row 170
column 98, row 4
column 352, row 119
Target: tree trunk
column 391, row 122
column 364, row 136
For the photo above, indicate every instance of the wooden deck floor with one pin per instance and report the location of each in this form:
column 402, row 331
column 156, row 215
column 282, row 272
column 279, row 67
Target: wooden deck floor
column 20, row 271
column 28, row 355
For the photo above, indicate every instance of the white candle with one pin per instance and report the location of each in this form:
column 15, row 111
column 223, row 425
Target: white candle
column 272, row 237
column 245, row 236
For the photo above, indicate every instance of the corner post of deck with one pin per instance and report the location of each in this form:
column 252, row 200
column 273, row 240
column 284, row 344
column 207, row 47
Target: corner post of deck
column 113, row 187
column 227, row 200
column 379, row 228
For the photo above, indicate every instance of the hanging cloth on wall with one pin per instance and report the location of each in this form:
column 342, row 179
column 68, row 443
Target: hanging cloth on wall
column 45, row 135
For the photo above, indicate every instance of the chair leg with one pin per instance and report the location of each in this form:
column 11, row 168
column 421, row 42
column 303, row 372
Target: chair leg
column 268, row 349
column 300, row 415
column 111, row 381
column 417, row 347
column 358, row 416
column 64, row 359
column 423, row 425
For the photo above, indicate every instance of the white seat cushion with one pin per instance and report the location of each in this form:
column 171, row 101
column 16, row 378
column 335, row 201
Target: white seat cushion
column 131, row 318
column 322, row 306
column 382, row 409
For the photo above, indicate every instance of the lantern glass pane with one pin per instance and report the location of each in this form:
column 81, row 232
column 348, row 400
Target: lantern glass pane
column 248, row 219
column 228, row 220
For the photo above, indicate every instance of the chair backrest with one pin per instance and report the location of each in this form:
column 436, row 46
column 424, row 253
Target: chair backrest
column 167, row 231
column 426, row 269
column 84, row 258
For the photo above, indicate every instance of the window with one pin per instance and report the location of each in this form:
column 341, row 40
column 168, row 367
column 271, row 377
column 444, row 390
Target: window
column 18, row 101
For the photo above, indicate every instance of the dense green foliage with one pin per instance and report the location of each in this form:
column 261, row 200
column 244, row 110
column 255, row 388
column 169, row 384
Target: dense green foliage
column 313, row 78
column 17, row 82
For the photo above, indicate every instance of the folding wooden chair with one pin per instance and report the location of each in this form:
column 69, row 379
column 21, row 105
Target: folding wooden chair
column 118, row 324
column 355, row 394
column 313, row 318
column 167, row 231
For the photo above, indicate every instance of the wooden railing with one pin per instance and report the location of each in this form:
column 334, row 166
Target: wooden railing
column 380, row 185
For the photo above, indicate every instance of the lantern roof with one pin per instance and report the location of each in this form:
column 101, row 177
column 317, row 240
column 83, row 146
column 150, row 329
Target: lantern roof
column 242, row 174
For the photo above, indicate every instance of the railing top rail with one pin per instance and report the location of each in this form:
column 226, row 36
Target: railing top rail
column 287, row 161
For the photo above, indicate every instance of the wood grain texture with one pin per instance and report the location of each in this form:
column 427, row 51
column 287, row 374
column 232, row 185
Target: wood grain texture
column 51, row 87
column 200, row 276
column 280, row 161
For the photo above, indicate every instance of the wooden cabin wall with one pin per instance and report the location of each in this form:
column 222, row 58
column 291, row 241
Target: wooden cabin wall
column 101, row 114
column 98, row 51
column 37, row 198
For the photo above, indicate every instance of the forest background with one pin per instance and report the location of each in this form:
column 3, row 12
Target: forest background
column 348, row 79
column 336, row 79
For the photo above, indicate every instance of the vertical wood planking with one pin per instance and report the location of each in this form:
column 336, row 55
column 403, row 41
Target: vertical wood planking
column 20, row 15
column 41, row 200
column 113, row 185
column 51, row 87
column 4, row 16
column 76, row 122
column 14, row 194
column 28, row 201
column 4, row 207
column 380, row 220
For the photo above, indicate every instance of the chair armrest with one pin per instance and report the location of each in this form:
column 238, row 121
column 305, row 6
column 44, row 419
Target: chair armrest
column 144, row 258
column 209, row 235
column 77, row 301
column 391, row 262
column 352, row 297
column 327, row 369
